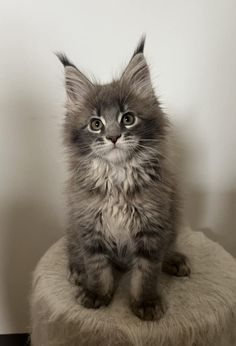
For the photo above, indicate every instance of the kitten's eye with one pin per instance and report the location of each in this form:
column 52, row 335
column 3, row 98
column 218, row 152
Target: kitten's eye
column 128, row 119
column 96, row 125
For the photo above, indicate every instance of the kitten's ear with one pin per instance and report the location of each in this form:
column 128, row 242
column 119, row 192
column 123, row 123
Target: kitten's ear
column 137, row 74
column 77, row 84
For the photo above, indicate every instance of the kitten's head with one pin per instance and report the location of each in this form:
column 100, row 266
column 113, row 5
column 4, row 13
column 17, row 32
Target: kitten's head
column 115, row 121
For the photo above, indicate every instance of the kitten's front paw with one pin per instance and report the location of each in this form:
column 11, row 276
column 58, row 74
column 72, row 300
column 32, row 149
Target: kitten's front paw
column 176, row 264
column 91, row 300
column 149, row 310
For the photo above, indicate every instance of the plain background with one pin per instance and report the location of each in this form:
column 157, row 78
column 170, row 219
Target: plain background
column 191, row 48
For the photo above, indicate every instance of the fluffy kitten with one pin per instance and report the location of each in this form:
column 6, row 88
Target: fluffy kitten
column 123, row 203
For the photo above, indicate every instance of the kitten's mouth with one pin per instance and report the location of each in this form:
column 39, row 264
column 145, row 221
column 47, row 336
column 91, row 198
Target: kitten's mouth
column 115, row 152
column 115, row 147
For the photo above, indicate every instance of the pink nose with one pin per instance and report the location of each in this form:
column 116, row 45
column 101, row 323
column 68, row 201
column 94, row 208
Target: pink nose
column 113, row 138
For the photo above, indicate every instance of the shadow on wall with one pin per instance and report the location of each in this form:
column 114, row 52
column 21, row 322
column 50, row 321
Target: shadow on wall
column 223, row 216
column 30, row 229
column 214, row 213
column 30, row 214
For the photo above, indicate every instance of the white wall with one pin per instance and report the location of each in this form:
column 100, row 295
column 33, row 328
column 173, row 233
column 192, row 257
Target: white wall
column 192, row 49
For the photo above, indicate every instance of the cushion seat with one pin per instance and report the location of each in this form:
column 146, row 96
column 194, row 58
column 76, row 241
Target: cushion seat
column 201, row 308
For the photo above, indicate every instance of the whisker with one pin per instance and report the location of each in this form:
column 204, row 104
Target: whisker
column 150, row 140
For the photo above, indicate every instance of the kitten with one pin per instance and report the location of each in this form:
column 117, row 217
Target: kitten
column 123, row 201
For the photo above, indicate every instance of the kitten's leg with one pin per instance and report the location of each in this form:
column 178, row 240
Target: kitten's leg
column 97, row 288
column 76, row 263
column 98, row 284
column 146, row 302
column 176, row 263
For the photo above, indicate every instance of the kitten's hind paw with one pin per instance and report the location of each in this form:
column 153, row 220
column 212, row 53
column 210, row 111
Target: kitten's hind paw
column 176, row 263
column 91, row 300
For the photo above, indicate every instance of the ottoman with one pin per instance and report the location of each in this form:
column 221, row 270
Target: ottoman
column 201, row 308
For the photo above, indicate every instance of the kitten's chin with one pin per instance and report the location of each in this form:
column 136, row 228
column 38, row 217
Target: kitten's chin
column 116, row 155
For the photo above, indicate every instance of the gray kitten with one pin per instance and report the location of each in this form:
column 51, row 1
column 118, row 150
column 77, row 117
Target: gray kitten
column 123, row 202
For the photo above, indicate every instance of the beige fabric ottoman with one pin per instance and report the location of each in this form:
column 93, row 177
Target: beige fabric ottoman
column 201, row 309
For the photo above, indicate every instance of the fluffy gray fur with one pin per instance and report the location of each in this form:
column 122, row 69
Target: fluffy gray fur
column 123, row 201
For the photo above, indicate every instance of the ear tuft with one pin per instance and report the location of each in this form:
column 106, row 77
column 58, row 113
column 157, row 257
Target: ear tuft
column 140, row 47
column 64, row 60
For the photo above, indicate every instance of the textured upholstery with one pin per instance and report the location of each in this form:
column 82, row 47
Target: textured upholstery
column 201, row 309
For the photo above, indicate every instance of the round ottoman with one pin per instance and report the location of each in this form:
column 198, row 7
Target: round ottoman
column 201, row 308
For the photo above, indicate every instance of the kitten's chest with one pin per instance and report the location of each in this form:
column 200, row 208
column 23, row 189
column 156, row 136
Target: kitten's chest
column 118, row 210
column 107, row 178
column 117, row 217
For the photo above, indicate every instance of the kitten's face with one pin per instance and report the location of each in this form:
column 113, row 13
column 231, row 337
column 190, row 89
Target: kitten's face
column 112, row 131
column 116, row 121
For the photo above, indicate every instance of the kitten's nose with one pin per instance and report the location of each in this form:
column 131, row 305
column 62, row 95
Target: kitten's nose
column 113, row 138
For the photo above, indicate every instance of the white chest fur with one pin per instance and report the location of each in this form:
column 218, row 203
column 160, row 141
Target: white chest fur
column 109, row 176
column 118, row 219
